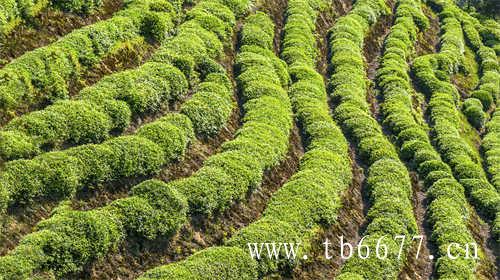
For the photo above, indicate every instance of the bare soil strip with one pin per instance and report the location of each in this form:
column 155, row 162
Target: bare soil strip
column 325, row 21
column 276, row 10
column 17, row 223
column 421, row 267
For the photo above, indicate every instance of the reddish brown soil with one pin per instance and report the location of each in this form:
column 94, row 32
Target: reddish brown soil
column 325, row 21
column 373, row 47
column 481, row 232
column 129, row 56
column 19, row 222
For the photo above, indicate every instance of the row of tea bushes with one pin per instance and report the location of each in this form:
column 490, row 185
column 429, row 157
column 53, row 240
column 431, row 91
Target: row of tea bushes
column 484, row 97
column 444, row 193
column 44, row 75
column 491, row 148
column 58, row 175
column 70, row 239
column 388, row 181
column 432, row 73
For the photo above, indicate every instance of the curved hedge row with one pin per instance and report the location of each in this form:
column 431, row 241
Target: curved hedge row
column 491, row 148
column 60, row 174
column 261, row 142
column 13, row 12
column 390, row 191
column 490, row 33
column 312, row 196
column 484, row 97
column 433, row 73
column 70, row 239
column 225, row 263
column 448, row 213
column 105, row 107
column 44, row 74
column 109, row 105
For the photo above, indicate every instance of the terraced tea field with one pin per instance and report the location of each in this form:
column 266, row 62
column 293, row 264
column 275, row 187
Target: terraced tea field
column 249, row 139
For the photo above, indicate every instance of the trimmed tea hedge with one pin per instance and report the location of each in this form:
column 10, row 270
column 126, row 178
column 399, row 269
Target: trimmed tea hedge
column 69, row 240
column 312, row 196
column 388, row 180
column 228, row 263
column 108, row 106
column 490, row 33
column 432, row 73
column 448, row 213
column 491, row 148
column 81, row 6
column 44, row 74
column 483, row 98
column 59, row 174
